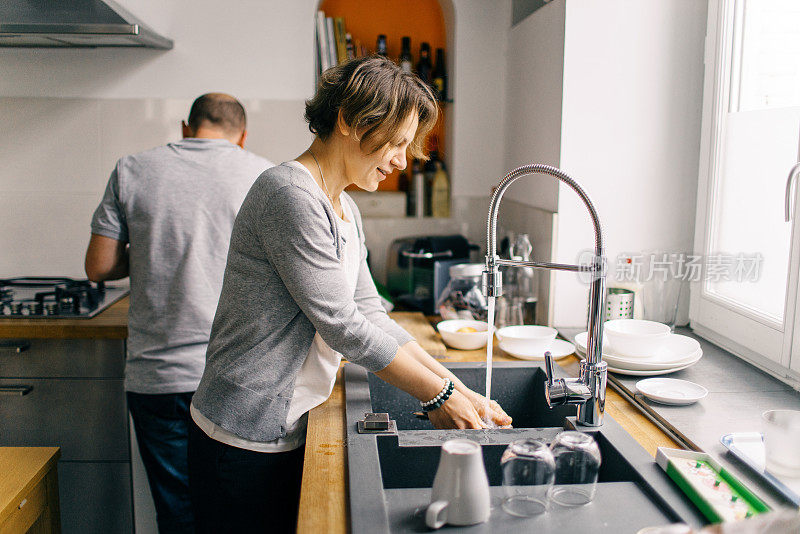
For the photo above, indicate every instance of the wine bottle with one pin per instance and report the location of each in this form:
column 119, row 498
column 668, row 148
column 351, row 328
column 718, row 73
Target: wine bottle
column 402, row 181
column 440, row 191
column 406, row 62
column 380, row 46
column 424, row 67
column 416, row 192
column 430, row 174
column 351, row 49
column 440, row 75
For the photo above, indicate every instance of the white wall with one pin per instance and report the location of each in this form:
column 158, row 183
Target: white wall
column 250, row 48
column 631, row 131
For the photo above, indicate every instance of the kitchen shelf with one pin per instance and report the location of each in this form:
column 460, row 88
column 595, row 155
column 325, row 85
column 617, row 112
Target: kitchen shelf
column 422, row 21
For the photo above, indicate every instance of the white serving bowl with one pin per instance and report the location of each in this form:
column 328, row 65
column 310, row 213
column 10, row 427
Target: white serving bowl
column 635, row 337
column 463, row 340
column 526, row 338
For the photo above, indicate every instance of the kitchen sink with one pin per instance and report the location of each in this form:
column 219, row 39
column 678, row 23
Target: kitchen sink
column 390, row 475
column 519, row 390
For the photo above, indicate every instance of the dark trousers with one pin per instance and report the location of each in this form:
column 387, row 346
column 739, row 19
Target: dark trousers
column 236, row 490
column 161, row 423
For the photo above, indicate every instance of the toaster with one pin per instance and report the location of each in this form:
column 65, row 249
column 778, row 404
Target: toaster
column 417, row 268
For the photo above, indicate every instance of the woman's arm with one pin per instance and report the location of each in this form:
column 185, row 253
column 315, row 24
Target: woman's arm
column 409, row 374
column 479, row 401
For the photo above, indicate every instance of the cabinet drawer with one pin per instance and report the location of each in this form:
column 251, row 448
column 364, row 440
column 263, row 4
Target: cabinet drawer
column 28, row 509
column 95, row 498
column 62, row 358
column 86, row 418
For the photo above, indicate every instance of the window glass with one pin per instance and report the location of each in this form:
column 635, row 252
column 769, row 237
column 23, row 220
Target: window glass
column 748, row 252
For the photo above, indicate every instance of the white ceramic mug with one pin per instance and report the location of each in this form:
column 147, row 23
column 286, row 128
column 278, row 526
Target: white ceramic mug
column 460, row 494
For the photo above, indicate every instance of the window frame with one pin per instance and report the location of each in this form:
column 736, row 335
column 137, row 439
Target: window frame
column 755, row 338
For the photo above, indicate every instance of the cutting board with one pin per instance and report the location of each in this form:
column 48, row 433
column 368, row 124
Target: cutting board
column 418, row 326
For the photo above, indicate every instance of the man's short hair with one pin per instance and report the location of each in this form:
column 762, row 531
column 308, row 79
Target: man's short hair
column 220, row 111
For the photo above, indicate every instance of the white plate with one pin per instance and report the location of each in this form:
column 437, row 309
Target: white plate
column 558, row 349
column 671, row 391
column 677, row 351
column 630, row 366
column 654, row 372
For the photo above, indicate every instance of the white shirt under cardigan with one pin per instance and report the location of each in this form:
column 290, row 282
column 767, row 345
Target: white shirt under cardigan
column 317, row 375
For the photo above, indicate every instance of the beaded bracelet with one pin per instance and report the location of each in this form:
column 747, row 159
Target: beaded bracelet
column 439, row 399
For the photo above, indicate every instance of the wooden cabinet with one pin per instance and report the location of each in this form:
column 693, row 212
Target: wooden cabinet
column 29, row 490
column 70, row 393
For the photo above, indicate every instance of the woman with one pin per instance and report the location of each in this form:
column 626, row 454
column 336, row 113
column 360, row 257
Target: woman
column 298, row 295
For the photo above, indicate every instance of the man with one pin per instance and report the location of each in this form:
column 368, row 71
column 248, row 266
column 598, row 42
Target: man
column 166, row 220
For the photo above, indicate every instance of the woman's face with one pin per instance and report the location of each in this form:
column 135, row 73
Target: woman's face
column 367, row 170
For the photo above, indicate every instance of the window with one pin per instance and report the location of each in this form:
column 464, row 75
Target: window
column 751, row 139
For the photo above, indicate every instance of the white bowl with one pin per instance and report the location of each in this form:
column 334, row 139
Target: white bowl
column 635, row 337
column 527, row 338
column 464, row 340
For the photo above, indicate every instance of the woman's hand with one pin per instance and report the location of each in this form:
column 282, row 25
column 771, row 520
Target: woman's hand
column 457, row 412
column 496, row 414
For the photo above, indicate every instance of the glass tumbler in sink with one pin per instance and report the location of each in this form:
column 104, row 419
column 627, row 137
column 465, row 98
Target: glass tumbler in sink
column 577, row 461
column 528, row 475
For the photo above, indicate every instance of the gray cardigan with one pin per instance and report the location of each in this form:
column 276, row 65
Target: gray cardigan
column 284, row 282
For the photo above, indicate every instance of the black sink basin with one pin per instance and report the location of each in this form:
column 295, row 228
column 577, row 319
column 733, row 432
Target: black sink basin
column 390, row 475
column 519, row 390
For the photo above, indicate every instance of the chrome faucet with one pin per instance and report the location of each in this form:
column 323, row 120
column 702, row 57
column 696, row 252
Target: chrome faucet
column 588, row 391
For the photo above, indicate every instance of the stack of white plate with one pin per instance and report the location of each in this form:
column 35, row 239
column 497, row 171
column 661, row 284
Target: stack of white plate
column 675, row 352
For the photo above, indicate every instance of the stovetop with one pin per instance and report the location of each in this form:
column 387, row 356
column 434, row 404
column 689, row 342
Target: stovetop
column 55, row 298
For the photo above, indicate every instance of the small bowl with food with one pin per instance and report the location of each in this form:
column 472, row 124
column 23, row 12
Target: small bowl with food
column 464, row 334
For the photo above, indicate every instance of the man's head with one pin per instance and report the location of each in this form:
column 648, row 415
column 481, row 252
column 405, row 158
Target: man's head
column 217, row 116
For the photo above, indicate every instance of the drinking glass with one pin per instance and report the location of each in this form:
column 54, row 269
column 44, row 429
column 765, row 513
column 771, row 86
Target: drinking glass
column 509, row 312
column 577, row 460
column 528, row 474
column 782, row 441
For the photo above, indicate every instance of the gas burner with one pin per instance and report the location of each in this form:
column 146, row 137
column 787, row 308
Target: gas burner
column 32, row 297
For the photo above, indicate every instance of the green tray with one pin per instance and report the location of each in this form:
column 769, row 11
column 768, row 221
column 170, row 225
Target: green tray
column 718, row 494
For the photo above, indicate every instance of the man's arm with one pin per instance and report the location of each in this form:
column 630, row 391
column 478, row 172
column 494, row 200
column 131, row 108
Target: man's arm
column 106, row 259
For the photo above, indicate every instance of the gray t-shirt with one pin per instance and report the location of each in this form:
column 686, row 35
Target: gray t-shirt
column 175, row 205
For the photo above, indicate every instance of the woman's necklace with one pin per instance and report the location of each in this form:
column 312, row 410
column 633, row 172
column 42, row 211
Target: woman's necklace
column 322, row 176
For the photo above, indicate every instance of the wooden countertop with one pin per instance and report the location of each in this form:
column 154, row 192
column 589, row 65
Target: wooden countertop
column 111, row 323
column 22, row 468
column 324, row 503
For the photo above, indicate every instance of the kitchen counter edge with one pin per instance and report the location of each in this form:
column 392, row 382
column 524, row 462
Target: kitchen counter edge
column 111, row 323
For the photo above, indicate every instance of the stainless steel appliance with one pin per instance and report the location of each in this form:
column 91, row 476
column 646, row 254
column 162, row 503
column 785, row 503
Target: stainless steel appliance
column 418, row 268
column 74, row 24
column 54, row 298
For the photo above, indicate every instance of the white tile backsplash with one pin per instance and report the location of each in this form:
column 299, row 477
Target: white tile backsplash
column 45, row 233
column 49, row 144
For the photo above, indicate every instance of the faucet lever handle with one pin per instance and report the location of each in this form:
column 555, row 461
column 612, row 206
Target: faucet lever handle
column 548, row 367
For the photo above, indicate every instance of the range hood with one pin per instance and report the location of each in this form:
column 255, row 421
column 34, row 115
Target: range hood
column 73, row 23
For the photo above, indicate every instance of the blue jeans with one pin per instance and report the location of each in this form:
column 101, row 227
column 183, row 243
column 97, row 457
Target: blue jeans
column 161, row 423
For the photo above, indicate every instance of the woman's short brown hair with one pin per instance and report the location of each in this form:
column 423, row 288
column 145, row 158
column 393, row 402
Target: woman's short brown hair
column 375, row 97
